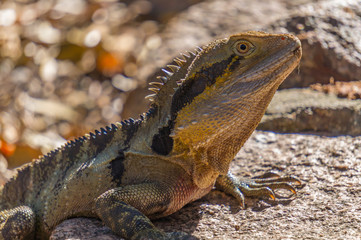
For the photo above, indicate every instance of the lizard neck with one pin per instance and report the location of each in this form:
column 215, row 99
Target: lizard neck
column 214, row 145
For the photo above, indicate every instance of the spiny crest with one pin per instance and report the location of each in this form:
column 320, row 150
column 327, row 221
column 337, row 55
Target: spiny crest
column 181, row 63
column 72, row 144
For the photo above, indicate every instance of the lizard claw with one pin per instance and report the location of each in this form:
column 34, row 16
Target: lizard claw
column 260, row 186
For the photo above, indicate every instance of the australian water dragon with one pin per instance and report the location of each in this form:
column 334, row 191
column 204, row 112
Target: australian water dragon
column 204, row 109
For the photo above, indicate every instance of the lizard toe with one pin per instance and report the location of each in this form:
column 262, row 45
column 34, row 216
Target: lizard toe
column 260, row 186
column 263, row 186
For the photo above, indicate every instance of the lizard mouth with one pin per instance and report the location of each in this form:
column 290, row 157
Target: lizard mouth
column 286, row 63
column 298, row 51
column 279, row 65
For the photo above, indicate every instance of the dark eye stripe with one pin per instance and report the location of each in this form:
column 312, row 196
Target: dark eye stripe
column 194, row 86
column 162, row 143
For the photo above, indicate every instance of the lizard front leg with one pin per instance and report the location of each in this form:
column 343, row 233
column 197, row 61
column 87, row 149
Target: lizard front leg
column 124, row 210
column 17, row 223
column 261, row 186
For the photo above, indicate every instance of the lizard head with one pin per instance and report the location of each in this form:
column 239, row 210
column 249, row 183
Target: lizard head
column 226, row 91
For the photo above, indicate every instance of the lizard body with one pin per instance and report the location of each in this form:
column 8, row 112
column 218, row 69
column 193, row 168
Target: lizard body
column 203, row 111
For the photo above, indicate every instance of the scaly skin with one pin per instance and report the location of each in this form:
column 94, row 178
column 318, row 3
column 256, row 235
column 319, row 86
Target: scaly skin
column 204, row 110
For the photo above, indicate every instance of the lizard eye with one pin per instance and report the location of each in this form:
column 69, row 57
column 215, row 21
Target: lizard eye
column 243, row 48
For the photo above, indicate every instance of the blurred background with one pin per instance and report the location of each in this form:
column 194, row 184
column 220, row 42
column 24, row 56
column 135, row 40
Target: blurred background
column 68, row 67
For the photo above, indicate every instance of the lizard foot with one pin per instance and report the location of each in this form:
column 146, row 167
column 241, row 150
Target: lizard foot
column 260, row 186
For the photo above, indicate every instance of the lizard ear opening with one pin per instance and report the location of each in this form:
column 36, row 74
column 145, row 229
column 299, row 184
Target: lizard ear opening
column 243, row 48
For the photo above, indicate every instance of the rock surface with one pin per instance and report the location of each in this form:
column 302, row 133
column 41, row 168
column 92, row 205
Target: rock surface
column 326, row 207
column 349, row 90
column 83, row 228
column 305, row 110
column 330, row 36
